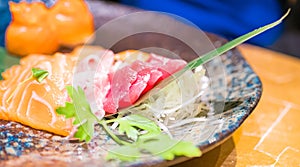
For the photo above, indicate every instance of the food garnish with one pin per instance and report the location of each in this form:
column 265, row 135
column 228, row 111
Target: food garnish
column 220, row 50
column 160, row 145
column 80, row 110
column 143, row 135
column 39, row 74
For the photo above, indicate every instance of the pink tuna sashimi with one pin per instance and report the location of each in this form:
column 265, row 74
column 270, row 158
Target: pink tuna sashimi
column 128, row 84
column 166, row 65
column 132, row 81
column 146, row 79
column 125, row 92
column 149, row 76
column 120, row 82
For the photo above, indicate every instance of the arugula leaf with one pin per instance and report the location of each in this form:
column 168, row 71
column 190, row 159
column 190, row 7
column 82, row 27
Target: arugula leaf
column 124, row 153
column 161, row 145
column 39, row 74
column 68, row 110
column 81, row 111
column 168, row 148
column 130, row 123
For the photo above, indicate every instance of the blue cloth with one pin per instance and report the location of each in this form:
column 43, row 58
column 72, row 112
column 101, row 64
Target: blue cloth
column 4, row 19
column 228, row 18
column 5, row 16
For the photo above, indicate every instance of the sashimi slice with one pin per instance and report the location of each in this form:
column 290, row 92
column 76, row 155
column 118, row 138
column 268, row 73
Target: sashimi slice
column 120, row 83
column 129, row 83
column 33, row 103
column 166, row 65
column 146, row 79
column 155, row 77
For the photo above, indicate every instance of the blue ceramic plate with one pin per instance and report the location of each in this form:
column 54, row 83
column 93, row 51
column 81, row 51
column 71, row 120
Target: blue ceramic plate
column 234, row 96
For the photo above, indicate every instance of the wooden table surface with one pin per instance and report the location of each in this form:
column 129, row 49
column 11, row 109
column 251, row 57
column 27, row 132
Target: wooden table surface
column 270, row 136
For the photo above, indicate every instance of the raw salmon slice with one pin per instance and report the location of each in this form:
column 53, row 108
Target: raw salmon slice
column 32, row 103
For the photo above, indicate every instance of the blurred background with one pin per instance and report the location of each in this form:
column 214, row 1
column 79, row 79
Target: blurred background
column 227, row 18
column 289, row 40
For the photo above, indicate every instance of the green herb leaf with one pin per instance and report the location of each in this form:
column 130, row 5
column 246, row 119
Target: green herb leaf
column 81, row 111
column 131, row 123
column 68, row 110
column 39, row 74
column 124, row 153
column 160, row 145
column 230, row 45
column 130, row 131
column 168, row 148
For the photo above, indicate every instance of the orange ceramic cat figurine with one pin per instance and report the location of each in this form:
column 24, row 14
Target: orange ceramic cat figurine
column 38, row 29
column 73, row 20
column 30, row 30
